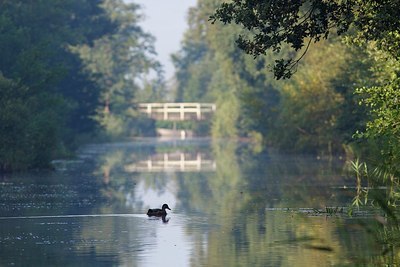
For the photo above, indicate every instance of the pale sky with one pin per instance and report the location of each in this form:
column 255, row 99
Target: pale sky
column 165, row 20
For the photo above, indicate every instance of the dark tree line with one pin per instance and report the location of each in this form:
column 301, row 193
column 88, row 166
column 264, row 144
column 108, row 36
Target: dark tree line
column 53, row 80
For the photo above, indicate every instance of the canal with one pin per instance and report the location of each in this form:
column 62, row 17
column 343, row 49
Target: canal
column 230, row 207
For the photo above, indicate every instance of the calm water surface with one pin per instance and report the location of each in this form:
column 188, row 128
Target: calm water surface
column 230, row 207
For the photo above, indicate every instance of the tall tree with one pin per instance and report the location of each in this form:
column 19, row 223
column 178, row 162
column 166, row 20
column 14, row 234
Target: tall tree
column 52, row 99
column 119, row 63
column 193, row 63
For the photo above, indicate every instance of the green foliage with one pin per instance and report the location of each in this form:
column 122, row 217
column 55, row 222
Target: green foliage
column 117, row 63
column 193, row 72
column 50, row 91
column 301, row 23
column 273, row 23
column 289, row 30
column 301, row 115
column 370, row 180
column 259, row 99
column 29, row 126
column 211, row 68
column 385, row 105
column 382, row 100
column 34, row 40
column 224, row 124
column 68, row 62
column 318, row 112
column 380, row 190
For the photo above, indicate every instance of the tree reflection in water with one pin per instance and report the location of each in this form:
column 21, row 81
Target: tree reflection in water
column 248, row 211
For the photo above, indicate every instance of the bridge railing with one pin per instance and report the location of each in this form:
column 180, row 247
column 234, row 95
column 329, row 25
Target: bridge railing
column 177, row 111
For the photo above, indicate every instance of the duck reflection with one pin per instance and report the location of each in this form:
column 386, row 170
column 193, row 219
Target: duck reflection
column 163, row 218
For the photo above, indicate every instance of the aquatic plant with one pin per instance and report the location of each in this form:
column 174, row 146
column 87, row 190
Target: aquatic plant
column 383, row 192
column 360, row 170
column 378, row 181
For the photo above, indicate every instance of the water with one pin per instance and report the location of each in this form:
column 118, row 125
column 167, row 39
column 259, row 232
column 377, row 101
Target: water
column 230, row 207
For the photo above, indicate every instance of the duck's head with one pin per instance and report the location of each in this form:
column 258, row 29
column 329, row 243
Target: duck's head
column 165, row 206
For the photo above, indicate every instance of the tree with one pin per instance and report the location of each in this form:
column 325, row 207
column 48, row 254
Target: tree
column 382, row 100
column 35, row 36
column 271, row 24
column 29, row 126
column 372, row 25
column 43, row 88
column 206, row 73
column 118, row 63
column 316, row 111
column 193, row 63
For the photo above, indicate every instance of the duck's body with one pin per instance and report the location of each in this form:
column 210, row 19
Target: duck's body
column 158, row 212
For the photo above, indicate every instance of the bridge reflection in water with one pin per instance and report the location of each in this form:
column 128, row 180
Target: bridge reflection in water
column 174, row 162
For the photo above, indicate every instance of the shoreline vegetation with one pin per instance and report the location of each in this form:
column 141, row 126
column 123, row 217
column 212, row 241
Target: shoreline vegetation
column 318, row 78
column 74, row 74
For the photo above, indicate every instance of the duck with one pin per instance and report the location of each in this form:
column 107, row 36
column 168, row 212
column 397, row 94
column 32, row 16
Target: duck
column 158, row 212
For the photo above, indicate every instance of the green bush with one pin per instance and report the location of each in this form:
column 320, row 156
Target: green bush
column 30, row 126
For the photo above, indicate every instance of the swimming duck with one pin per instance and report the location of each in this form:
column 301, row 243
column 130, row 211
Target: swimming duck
column 158, row 212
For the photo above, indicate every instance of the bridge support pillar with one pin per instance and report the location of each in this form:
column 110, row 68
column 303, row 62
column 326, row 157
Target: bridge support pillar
column 198, row 113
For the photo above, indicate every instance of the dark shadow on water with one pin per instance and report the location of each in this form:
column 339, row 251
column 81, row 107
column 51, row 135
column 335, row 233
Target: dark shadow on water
column 163, row 218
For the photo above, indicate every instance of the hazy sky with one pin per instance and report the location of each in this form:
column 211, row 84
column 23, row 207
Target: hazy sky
column 166, row 20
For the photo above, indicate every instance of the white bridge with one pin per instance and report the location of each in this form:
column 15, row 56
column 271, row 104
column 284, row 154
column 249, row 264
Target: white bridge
column 177, row 111
column 173, row 162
